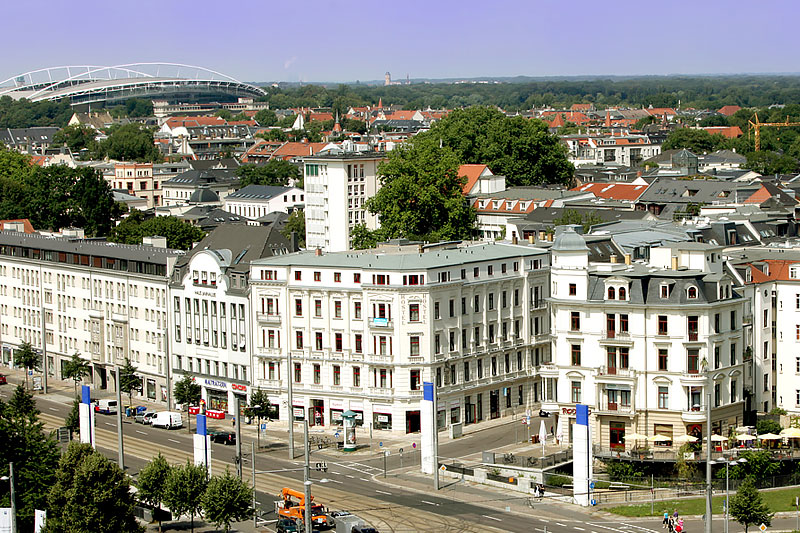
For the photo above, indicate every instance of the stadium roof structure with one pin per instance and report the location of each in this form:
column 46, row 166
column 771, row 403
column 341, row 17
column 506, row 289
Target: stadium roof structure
column 86, row 84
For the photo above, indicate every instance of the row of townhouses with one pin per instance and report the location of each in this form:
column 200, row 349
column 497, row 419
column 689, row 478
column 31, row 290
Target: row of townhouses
column 501, row 328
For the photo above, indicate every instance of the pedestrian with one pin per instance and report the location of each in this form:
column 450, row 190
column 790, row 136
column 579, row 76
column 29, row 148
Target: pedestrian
column 671, row 526
column 675, row 515
column 233, row 421
column 680, row 524
column 666, row 520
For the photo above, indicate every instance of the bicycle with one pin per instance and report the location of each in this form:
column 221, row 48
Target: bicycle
column 508, row 458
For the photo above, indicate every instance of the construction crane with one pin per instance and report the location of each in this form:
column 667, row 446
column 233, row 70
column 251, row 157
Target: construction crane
column 756, row 126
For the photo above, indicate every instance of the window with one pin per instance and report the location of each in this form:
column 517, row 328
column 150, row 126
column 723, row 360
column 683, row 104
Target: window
column 480, row 368
column 490, row 270
column 662, row 324
column 466, row 371
column 575, row 321
column 717, row 357
column 298, row 307
column 357, row 278
column 414, row 378
column 317, row 276
column 611, row 293
column 436, row 311
column 665, row 291
column 337, row 309
column 491, row 301
column 573, row 289
column 494, row 366
column 663, row 358
column 716, row 322
column 317, row 374
column 691, row 293
column 298, row 373
column 437, row 344
column 692, row 327
column 414, row 345
column 318, row 340
column 298, row 275
column 717, row 395
column 298, row 339
column 663, row 397
column 624, row 359
column 337, row 375
column 452, row 308
column 338, row 342
column 337, row 277
column 623, row 323
column 503, row 268
column 413, row 312
column 576, row 355
column 317, row 308
column 693, row 360
column 356, row 376
column 477, row 306
column 734, row 392
column 576, row 392
column 463, row 306
column 357, row 309
column 359, row 346
column 476, row 272
column 622, row 293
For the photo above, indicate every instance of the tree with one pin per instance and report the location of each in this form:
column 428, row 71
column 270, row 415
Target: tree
column 363, row 238
column 33, row 452
column 572, row 216
column 645, row 121
column 187, row 392
column 183, row 492
column 227, row 499
column 766, row 162
column 90, row 494
column 131, row 142
column 694, row 140
column 180, row 235
column 259, row 405
column 27, row 358
column 139, row 107
column 748, row 507
column 686, row 469
column 73, row 420
column 93, row 206
column 296, row 223
column 77, row 138
column 152, row 481
column 224, row 114
column 76, row 369
column 275, row 172
column 759, row 466
column 767, row 426
column 421, row 195
column 128, row 380
column 266, row 118
column 714, row 120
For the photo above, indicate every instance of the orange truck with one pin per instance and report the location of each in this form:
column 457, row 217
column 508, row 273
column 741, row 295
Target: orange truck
column 287, row 507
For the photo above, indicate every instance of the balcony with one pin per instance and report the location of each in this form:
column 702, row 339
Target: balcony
column 614, row 408
column 614, row 371
column 271, row 384
column 316, row 354
column 698, row 415
column 270, row 318
column 336, row 356
column 356, row 356
column 548, row 369
column 615, row 336
column 377, row 322
column 379, row 358
column 694, row 376
column 382, row 392
column 269, row 352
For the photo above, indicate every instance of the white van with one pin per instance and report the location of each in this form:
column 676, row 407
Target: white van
column 106, row 407
column 167, row 420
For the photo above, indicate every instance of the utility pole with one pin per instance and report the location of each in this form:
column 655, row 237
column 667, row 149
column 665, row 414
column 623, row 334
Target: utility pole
column 255, row 512
column 238, row 439
column 44, row 331
column 306, row 478
column 13, row 498
column 121, row 450
column 290, row 408
column 435, row 437
column 709, row 490
column 168, row 368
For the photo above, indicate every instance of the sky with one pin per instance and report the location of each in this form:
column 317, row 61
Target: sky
column 345, row 40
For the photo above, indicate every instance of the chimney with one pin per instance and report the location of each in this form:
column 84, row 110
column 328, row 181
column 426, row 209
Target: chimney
column 674, row 262
column 542, row 235
column 514, row 239
column 531, row 239
column 293, row 238
column 318, row 252
column 627, row 259
column 613, row 258
column 550, row 237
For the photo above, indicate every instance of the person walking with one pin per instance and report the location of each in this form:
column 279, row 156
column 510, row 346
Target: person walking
column 666, row 520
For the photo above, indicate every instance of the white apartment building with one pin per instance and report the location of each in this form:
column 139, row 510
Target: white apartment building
column 627, row 150
column 362, row 331
column 336, row 187
column 210, row 311
column 256, row 201
column 104, row 301
column 642, row 344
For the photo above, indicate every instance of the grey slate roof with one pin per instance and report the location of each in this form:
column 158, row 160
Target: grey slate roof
column 568, row 240
column 257, row 192
column 195, row 178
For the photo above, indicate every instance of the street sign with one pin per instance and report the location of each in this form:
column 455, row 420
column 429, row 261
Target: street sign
column 762, row 527
column 30, row 372
column 594, row 502
column 336, row 435
column 380, row 444
column 443, row 468
column 321, row 467
column 263, row 427
column 401, row 451
column 528, row 413
column 63, row 434
column 413, row 444
column 591, row 485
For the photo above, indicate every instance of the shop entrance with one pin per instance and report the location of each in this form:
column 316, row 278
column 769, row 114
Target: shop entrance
column 494, row 404
column 316, row 413
column 413, row 423
column 617, row 435
column 218, row 400
column 101, row 377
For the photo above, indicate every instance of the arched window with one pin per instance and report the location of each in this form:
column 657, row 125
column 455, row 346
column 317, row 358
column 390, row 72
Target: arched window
column 622, row 295
column 692, row 293
column 611, row 295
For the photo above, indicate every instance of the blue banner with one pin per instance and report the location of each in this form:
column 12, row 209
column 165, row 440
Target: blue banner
column 202, row 429
column 427, row 391
column 86, row 395
column 582, row 414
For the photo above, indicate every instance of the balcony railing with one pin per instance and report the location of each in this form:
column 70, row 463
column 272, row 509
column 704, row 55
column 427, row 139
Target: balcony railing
column 614, row 371
column 381, row 391
column 268, row 317
column 692, row 336
column 380, row 358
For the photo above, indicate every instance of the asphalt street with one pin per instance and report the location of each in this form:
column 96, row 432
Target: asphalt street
column 359, row 486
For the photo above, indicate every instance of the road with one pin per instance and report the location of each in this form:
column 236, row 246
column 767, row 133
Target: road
column 358, row 486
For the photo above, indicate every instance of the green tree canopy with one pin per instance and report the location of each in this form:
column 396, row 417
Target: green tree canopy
column 187, row 392
column 297, row 223
column 696, row 141
column 33, row 452
column 183, row 492
column 363, row 238
column 25, row 114
column 748, row 507
column 421, row 195
column 521, row 149
column 227, row 499
column 128, row 380
column 90, row 494
column 273, row 134
column 131, row 142
column 27, row 358
column 76, row 368
column 180, row 235
column 73, row 420
column 274, row 172
column 767, row 426
column 77, row 138
column 266, row 118
column 259, row 404
column 714, row 120
column 152, row 482
column 767, row 162
column 572, row 216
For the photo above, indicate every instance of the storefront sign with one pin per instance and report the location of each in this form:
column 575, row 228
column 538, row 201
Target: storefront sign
column 337, row 404
column 236, row 386
column 570, row 411
column 383, row 418
column 205, row 293
column 298, row 412
column 215, row 383
column 336, row 415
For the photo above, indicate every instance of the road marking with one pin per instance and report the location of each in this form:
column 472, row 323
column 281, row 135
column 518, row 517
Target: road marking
column 336, row 481
column 175, row 441
column 560, row 524
column 351, row 477
column 492, row 518
column 142, row 432
column 579, row 528
column 640, row 527
column 383, row 492
column 430, row 503
column 110, row 424
column 364, row 479
column 52, row 408
column 336, row 473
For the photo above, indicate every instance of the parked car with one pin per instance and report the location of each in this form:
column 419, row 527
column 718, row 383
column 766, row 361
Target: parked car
column 106, row 407
column 167, row 420
column 3, row 380
column 222, row 436
column 144, row 418
column 285, row 525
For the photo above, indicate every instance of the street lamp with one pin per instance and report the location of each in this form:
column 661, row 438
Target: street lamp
column 258, row 425
column 727, row 463
column 10, row 479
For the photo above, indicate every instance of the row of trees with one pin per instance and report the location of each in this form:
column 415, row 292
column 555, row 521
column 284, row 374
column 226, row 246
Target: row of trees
column 126, row 142
column 179, row 233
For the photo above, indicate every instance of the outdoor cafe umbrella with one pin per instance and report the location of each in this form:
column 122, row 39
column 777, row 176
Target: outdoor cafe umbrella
column 717, row 438
column 792, row 433
column 769, row 436
column 542, row 435
column 745, row 437
column 635, row 436
column 683, row 439
column 742, row 429
column 659, row 438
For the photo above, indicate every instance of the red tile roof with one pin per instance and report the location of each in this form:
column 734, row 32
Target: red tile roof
column 295, row 149
column 472, row 173
column 195, row 122
column 27, row 227
column 728, row 110
column 581, row 107
column 778, row 270
column 731, row 132
column 614, row 191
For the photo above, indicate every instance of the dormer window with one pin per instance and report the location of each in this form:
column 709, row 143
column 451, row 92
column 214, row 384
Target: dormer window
column 794, row 272
column 664, row 290
column 612, row 294
column 691, row 293
column 213, row 279
column 622, row 293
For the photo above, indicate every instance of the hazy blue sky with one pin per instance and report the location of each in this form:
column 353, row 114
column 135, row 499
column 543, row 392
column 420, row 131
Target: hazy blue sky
column 295, row 40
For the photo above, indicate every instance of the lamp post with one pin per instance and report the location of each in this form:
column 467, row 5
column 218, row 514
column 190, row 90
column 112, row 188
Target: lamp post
column 10, row 479
column 258, row 425
column 727, row 463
